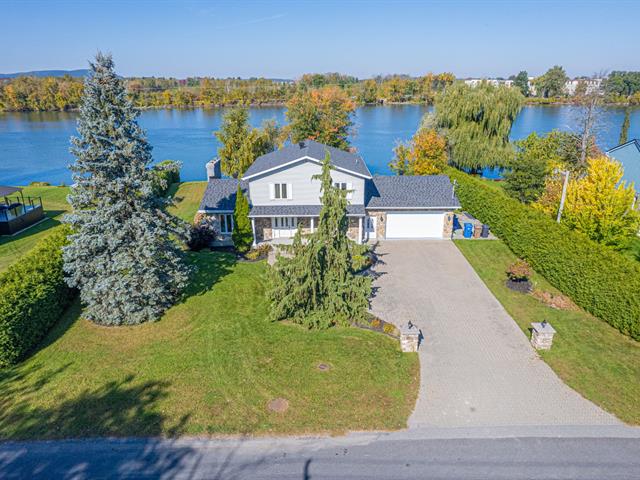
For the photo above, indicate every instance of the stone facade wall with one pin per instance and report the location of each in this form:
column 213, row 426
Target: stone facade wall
column 352, row 232
column 306, row 224
column 263, row 229
column 447, row 230
column 381, row 222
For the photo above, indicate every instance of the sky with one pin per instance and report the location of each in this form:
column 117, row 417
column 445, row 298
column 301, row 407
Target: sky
column 284, row 39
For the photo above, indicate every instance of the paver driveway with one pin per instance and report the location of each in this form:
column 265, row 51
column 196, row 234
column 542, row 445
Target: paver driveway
column 477, row 367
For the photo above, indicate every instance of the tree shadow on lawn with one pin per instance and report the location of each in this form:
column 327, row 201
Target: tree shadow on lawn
column 209, row 269
column 118, row 407
column 50, row 221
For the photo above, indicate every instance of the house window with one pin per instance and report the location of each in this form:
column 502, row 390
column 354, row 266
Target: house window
column 226, row 223
column 344, row 186
column 285, row 222
column 281, row 190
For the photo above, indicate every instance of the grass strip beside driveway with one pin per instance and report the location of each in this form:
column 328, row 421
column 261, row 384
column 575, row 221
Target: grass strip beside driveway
column 589, row 355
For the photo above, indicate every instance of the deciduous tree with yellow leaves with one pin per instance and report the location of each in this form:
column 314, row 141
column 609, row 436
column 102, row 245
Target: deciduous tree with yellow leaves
column 323, row 114
column 599, row 204
column 425, row 154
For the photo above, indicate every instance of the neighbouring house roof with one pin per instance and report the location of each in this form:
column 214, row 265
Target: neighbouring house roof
column 410, row 192
column 299, row 210
column 5, row 191
column 628, row 154
column 340, row 159
column 220, row 194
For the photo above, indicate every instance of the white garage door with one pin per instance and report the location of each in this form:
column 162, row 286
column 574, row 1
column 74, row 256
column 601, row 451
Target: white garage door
column 414, row 224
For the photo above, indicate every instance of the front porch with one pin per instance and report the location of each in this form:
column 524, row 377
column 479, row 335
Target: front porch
column 281, row 229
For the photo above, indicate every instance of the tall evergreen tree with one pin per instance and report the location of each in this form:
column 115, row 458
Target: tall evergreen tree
column 624, row 131
column 476, row 122
column 124, row 256
column 316, row 286
column 241, row 144
column 242, row 235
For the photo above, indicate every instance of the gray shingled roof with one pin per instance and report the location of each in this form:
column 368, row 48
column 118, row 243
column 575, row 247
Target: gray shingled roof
column 430, row 191
column 308, row 148
column 221, row 194
column 299, row 210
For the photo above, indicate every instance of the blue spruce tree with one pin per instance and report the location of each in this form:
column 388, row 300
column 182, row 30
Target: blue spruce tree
column 124, row 254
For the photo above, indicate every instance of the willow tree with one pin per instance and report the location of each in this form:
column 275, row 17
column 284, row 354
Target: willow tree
column 476, row 122
column 123, row 255
column 316, row 285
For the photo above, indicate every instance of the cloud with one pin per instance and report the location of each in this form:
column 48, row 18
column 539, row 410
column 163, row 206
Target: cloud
column 251, row 22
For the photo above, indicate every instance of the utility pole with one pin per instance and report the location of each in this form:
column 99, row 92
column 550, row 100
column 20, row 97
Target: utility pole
column 564, row 194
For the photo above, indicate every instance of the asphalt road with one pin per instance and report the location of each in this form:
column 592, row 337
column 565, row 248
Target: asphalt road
column 358, row 456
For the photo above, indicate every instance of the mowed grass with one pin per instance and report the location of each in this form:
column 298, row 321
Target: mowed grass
column 187, row 197
column 589, row 355
column 209, row 366
column 54, row 200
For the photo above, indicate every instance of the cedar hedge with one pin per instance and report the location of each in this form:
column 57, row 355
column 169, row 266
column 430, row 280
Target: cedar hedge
column 33, row 296
column 598, row 279
column 165, row 174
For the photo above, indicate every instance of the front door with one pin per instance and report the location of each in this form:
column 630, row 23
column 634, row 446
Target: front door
column 284, row 227
column 370, row 227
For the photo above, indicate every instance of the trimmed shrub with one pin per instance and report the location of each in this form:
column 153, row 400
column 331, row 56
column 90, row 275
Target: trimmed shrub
column 166, row 173
column 598, row 279
column 33, row 296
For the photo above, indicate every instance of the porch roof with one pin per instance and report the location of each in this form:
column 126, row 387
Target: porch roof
column 299, row 210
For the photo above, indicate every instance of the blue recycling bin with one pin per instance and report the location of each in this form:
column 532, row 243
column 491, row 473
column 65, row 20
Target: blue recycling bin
column 468, row 230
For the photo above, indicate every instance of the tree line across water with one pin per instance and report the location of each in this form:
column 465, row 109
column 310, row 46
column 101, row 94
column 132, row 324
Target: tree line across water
column 63, row 93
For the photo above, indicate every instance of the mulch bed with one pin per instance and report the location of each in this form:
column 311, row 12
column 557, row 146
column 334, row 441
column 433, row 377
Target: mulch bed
column 522, row 286
column 378, row 325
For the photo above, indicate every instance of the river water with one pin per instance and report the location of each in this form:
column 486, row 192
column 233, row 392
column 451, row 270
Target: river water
column 35, row 146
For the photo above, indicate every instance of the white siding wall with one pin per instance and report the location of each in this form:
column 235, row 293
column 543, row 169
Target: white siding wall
column 305, row 191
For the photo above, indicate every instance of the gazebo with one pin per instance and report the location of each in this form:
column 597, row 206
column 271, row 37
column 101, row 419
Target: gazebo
column 18, row 212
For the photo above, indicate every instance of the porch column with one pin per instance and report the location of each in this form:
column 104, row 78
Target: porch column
column 312, row 225
column 359, row 230
column 253, row 229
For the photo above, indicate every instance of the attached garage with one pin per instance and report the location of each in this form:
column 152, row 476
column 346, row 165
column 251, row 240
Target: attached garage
column 415, row 224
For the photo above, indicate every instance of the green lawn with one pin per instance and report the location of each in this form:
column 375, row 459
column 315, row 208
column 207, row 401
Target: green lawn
column 55, row 204
column 187, row 196
column 589, row 355
column 209, row 366
column 54, row 199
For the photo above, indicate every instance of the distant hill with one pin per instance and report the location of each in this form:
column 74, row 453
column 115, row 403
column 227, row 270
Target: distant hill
column 47, row 73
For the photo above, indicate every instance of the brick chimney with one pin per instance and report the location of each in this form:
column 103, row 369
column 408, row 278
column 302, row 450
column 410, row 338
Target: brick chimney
column 213, row 169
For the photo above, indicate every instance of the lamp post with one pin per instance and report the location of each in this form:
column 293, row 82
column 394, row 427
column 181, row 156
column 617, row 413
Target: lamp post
column 564, row 193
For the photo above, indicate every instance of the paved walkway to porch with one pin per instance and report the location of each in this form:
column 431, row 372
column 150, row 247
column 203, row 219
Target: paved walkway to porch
column 477, row 367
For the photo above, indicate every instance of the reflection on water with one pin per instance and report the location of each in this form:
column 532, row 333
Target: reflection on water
column 34, row 146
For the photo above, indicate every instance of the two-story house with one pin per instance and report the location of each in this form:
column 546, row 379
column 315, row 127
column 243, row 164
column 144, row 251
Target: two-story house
column 283, row 194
